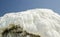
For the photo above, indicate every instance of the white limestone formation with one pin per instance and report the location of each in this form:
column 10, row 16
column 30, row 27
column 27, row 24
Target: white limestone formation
column 30, row 23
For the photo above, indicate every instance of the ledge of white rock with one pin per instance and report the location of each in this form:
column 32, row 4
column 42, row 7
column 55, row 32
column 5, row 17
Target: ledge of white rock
column 42, row 22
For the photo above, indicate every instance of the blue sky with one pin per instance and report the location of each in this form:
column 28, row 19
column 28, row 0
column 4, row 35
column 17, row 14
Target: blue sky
column 7, row 6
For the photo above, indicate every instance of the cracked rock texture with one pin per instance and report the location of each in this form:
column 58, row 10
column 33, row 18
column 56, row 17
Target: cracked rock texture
column 30, row 23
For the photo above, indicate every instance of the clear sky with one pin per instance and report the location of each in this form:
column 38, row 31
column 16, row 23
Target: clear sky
column 7, row 6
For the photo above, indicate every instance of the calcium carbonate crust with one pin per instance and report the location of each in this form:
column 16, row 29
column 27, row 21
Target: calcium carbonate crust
column 42, row 22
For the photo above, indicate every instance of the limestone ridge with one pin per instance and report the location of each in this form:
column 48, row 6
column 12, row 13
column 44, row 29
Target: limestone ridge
column 30, row 23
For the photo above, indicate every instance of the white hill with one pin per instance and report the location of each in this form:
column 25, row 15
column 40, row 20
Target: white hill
column 42, row 22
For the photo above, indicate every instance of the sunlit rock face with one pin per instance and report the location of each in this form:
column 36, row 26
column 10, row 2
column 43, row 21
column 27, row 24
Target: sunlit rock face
column 30, row 23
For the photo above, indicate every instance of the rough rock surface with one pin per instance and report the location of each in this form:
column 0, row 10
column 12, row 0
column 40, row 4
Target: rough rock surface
column 30, row 23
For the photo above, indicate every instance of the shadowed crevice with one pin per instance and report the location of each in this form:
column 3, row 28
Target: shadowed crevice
column 17, row 31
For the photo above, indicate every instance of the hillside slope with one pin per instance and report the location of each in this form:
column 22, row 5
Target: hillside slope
column 42, row 22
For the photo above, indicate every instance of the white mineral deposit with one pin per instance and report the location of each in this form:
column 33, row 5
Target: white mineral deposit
column 30, row 23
